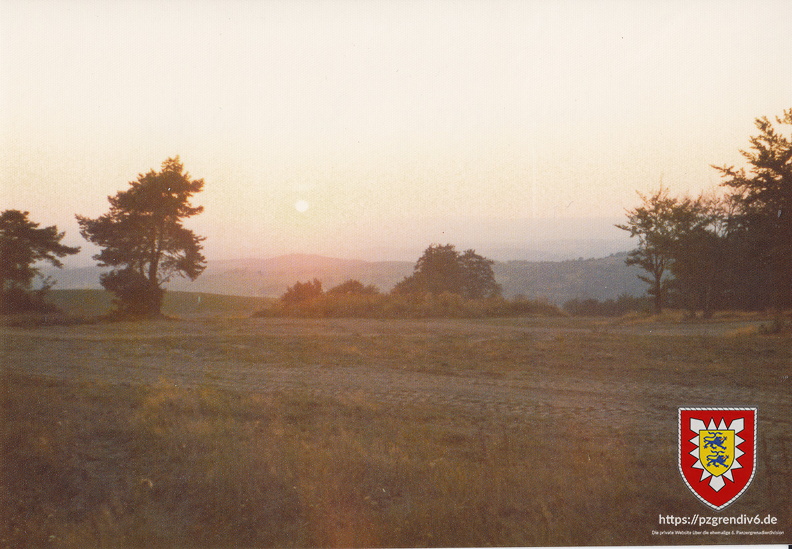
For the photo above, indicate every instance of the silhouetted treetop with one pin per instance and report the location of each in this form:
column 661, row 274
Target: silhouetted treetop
column 22, row 245
column 442, row 269
column 143, row 239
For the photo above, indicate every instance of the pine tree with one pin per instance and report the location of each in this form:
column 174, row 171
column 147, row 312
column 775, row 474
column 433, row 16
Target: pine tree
column 143, row 239
column 22, row 245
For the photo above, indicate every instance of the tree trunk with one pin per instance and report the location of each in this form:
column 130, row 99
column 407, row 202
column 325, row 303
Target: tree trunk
column 154, row 298
column 155, row 293
column 658, row 294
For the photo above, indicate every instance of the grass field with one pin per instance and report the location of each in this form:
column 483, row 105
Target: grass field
column 240, row 432
column 182, row 304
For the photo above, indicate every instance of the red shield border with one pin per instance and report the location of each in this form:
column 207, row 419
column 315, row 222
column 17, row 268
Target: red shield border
column 742, row 476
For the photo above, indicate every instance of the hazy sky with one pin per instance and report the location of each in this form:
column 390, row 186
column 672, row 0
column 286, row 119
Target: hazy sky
column 396, row 124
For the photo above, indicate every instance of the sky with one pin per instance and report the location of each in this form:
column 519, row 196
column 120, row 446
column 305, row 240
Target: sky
column 369, row 129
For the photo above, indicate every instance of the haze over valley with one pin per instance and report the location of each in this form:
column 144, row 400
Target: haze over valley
column 553, row 281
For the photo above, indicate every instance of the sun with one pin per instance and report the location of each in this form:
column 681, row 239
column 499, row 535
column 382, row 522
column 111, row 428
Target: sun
column 301, row 206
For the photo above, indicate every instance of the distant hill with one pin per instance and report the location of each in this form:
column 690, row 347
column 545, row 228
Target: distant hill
column 555, row 281
column 261, row 277
column 560, row 281
column 271, row 277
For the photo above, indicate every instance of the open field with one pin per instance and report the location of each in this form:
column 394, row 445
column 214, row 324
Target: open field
column 181, row 304
column 289, row 432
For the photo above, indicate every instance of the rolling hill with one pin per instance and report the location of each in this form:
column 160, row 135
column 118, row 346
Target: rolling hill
column 560, row 281
column 554, row 281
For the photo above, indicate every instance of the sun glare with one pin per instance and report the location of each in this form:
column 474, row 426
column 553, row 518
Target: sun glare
column 301, row 206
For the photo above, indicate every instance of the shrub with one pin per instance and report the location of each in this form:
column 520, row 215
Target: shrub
column 521, row 306
column 407, row 305
column 302, row 291
column 592, row 307
column 353, row 287
column 18, row 300
column 137, row 296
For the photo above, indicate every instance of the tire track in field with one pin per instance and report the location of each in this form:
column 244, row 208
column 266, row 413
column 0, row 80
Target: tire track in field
column 143, row 356
column 519, row 395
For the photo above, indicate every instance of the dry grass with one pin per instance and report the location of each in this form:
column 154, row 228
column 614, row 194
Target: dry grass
column 88, row 465
column 682, row 316
column 745, row 331
column 181, row 463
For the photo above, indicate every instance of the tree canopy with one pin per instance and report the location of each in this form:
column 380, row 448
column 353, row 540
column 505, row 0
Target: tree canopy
column 688, row 248
column 653, row 223
column 143, row 239
column 443, row 269
column 353, row 287
column 764, row 195
column 732, row 251
column 302, row 291
column 23, row 245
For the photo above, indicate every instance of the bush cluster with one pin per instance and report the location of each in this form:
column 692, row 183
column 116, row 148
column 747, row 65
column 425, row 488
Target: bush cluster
column 610, row 307
column 406, row 305
column 20, row 300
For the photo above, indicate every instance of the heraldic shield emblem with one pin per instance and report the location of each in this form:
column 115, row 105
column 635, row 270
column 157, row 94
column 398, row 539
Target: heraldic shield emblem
column 717, row 452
